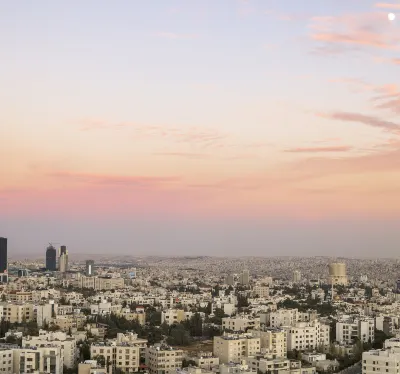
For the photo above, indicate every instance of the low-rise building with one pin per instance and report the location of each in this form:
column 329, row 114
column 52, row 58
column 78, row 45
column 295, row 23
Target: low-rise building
column 162, row 359
column 235, row 347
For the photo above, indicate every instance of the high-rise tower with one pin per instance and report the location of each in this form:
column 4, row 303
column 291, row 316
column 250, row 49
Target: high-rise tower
column 51, row 258
column 63, row 260
column 3, row 255
column 89, row 268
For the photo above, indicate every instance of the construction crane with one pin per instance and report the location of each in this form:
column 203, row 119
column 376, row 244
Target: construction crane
column 52, row 244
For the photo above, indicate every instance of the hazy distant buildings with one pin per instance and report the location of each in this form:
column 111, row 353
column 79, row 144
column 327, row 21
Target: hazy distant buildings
column 63, row 259
column 337, row 274
column 51, row 258
column 89, row 268
column 229, row 280
column 245, row 277
column 296, row 276
column 3, row 255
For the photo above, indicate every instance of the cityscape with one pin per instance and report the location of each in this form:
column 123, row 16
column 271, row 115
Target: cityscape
column 197, row 314
column 200, row 187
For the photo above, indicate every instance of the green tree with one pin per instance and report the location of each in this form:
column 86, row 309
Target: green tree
column 101, row 360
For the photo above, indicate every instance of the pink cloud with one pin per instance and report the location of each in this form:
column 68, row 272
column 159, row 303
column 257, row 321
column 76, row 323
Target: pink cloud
column 363, row 119
column 354, row 30
column 387, row 6
column 320, row 149
column 113, row 180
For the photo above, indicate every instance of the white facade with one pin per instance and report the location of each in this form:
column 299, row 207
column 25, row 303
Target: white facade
column 123, row 353
column 59, row 339
column 307, row 335
column 240, row 323
column 283, row 317
column 44, row 359
column 355, row 328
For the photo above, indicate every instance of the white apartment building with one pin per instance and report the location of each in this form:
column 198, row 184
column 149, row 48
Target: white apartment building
column 240, row 323
column 235, row 347
column 206, row 360
column 282, row 317
column 41, row 360
column 44, row 313
column 123, row 353
column 91, row 367
column 6, row 361
column 351, row 328
column 104, row 308
column 381, row 361
column 307, row 335
column 59, row 339
column 272, row 341
column 162, row 359
column 269, row 364
column 392, row 343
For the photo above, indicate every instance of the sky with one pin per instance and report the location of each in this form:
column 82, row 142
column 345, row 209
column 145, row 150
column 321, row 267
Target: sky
column 201, row 127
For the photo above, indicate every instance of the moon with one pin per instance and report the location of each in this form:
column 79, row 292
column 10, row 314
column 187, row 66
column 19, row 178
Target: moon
column 391, row 16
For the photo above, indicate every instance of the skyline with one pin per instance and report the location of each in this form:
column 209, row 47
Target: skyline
column 261, row 127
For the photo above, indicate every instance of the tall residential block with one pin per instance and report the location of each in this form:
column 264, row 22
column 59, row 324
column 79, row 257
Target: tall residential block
column 3, row 255
column 51, row 258
column 89, row 268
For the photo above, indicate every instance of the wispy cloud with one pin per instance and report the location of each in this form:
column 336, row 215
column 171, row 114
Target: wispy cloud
column 364, row 119
column 205, row 137
column 113, row 180
column 387, row 6
column 385, row 96
column 188, row 155
column 319, row 149
column 174, row 35
column 354, row 30
column 396, row 61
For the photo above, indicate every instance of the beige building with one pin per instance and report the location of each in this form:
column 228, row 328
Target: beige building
column 17, row 312
column 337, row 274
column 44, row 360
column 161, row 359
column 240, row 323
column 381, row 361
column 261, row 291
column 91, row 367
column 123, row 353
column 6, row 361
column 100, row 283
column 140, row 317
column 272, row 341
column 235, row 347
column 70, row 321
column 19, row 296
column 171, row 316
